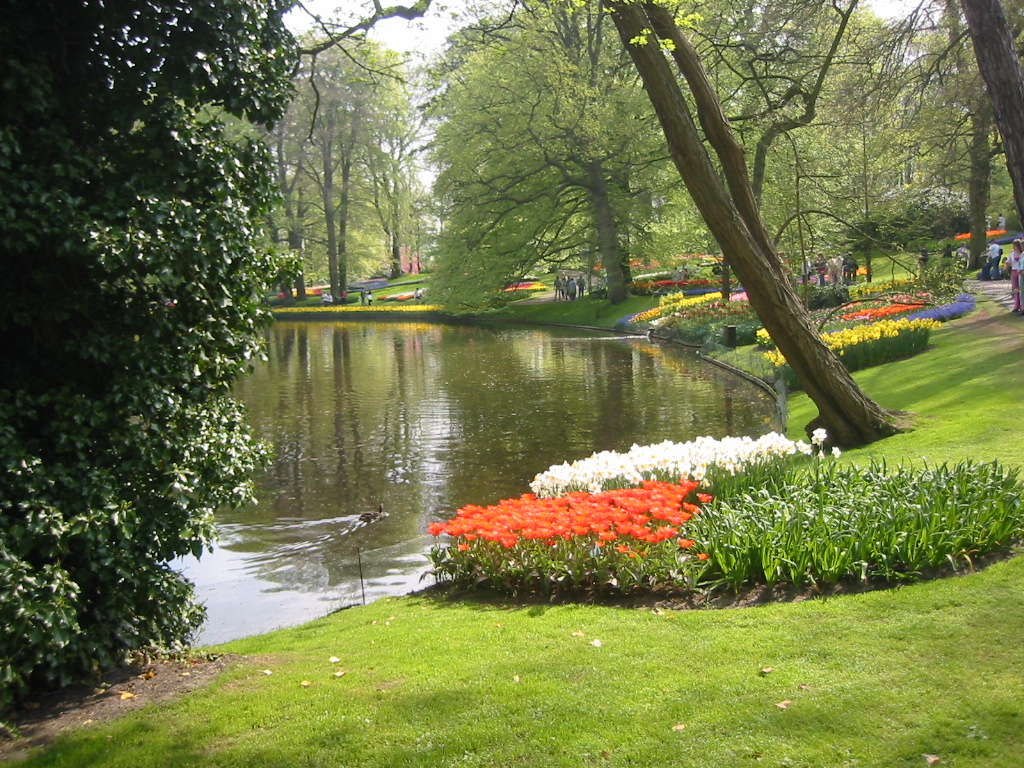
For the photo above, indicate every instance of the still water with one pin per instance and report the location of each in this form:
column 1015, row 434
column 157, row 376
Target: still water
column 423, row 419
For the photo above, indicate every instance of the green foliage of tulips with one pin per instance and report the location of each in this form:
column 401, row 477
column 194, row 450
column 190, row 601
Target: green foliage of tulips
column 832, row 522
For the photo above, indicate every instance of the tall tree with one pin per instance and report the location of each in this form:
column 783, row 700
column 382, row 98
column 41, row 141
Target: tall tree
column 337, row 103
column 999, row 63
column 544, row 151
column 729, row 208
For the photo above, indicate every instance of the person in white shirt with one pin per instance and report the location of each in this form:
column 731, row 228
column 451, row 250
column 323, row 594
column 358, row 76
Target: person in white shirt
column 995, row 253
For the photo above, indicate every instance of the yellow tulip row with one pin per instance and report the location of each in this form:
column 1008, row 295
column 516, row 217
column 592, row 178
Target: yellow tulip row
column 863, row 334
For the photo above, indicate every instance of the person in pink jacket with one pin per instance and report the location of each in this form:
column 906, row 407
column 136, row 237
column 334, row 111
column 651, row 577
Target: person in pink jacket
column 1016, row 264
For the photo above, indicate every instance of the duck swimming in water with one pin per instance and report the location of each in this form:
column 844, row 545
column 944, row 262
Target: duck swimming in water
column 369, row 517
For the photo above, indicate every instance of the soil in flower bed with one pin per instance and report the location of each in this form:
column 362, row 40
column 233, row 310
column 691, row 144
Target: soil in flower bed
column 668, row 598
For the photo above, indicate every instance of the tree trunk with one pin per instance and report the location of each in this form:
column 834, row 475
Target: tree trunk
column 396, row 255
column 980, row 153
column 844, row 411
column 1000, row 68
column 327, row 161
column 607, row 235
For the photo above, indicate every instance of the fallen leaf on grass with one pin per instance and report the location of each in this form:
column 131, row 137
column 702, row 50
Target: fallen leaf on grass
column 339, row 674
column 149, row 674
column 127, row 695
column 766, row 671
column 931, row 759
column 577, row 634
column 515, row 678
column 334, row 660
column 596, row 643
column 784, row 704
column 306, row 683
column 679, row 727
column 267, row 672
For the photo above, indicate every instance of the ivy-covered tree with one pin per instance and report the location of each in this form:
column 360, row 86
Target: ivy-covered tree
column 133, row 291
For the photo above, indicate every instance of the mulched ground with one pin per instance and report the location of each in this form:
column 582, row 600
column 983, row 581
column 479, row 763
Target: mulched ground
column 144, row 682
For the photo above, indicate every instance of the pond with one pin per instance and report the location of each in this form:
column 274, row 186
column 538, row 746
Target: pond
column 424, row 418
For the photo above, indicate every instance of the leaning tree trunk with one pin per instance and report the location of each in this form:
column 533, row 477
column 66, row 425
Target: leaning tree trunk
column 846, row 413
column 1000, row 68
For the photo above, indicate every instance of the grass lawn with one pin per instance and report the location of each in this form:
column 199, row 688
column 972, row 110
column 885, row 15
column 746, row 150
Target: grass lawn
column 926, row 674
column 585, row 311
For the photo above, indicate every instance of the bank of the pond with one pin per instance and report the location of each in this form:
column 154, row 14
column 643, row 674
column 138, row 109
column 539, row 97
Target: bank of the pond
column 928, row 674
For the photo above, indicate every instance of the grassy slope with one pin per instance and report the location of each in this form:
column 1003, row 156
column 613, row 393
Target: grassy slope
column 880, row 679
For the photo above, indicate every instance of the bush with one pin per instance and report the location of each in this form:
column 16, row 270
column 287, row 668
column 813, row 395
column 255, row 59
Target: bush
column 136, row 209
column 906, row 217
column 827, row 297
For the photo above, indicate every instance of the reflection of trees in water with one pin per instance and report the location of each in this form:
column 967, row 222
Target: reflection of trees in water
column 427, row 418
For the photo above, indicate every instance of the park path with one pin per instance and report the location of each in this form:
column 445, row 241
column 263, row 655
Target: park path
column 997, row 290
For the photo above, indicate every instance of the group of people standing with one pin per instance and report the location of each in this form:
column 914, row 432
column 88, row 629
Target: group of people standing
column 1016, row 264
column 838, row 270
column 569, row 288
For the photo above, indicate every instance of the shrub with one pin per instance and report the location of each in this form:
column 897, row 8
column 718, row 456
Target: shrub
column 127, row 198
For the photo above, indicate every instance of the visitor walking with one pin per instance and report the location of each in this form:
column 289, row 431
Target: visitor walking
column 570, row 289
column 821, row 268
column 995, row 253
column 849, row 269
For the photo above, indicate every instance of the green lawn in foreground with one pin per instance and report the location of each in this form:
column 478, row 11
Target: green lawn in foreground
column 879, row 680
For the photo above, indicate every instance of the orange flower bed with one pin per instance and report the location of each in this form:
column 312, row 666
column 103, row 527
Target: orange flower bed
column 880, row 312
column 553, row 535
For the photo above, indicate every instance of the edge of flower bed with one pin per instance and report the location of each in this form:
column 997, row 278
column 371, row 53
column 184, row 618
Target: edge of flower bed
column 340, row 313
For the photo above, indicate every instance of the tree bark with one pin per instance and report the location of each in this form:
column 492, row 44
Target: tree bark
column 327, row 163
column 980, row 154
column 607, row 234
column 1000, row 68
column 732, row 215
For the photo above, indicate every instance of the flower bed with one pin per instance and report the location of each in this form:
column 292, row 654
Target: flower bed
column 621, row 538
column 705, row 460
column 776, row 522
column 864, row 346
column 356, row 308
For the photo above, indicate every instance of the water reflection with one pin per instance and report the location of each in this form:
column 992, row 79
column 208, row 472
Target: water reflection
column 425, row 418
